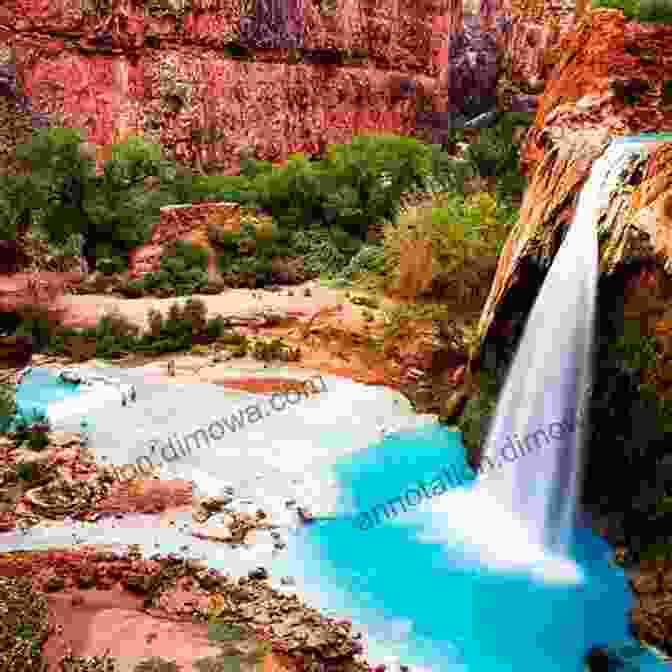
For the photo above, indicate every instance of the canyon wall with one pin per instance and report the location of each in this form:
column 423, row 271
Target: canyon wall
column 614, row 78
column 209, row 78
column 206, row 78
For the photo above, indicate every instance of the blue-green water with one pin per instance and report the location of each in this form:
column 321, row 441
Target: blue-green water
column 644, row 137
column 39, row 388
column 462, row 615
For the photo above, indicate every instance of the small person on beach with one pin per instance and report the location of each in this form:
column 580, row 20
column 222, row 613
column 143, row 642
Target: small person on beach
column 305, row 516
column 84, row 433
column 171, row 367
column 22, row 374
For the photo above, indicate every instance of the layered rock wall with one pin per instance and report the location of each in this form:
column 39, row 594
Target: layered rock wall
column 184, row 74
column 603, row 59
column 531, row 47
column 17, row 120
column 582, row 107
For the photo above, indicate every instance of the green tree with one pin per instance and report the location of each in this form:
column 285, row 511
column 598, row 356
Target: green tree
column 356, row 185
column 365, row 179
column 17, row 200
column 114, row 210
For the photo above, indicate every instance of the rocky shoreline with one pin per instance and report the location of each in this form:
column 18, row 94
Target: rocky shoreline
column 187, row 591
column 70, row 486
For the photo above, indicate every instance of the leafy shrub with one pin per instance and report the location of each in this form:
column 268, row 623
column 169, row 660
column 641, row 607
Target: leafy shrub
column 114, row 207
column 134, row 289
column 495, row 154
column 645, row 11
column 230, row 188
column 451, row 174
column 183, row 270
column 474, row 422
column 68, row 252
column 636, row 350
column 115, row 336
column 38, row 323
column 369, row 259
column 292, row 193
column 38, row 439
column 251, row 168
column 258, row 256
column 235, row 340
column 458, row 230
column 345, row 189
column 26, row 471
column 216, row 327
column 111, row 266
column 361, row 197
column 32, row 429
column 276, row 348
column 193, row 256
column 320, row 253
column 629, row 7
column 345, row 242
column 18, row 198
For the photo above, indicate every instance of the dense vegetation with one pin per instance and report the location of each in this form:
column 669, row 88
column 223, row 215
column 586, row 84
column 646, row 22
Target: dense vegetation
column 354, row 187
column 303, row 219
column 64, row 197
column 644, row 11
column 463, row 226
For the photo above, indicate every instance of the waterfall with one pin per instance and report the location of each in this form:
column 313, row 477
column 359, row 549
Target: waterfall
column 535, row 441
column 520, row 513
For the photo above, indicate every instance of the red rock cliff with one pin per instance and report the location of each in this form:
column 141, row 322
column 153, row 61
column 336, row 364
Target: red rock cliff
column 181, row 72
column 611, row 81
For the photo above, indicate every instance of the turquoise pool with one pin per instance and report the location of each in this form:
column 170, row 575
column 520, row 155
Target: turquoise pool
column 455, row 615
column 39, row 389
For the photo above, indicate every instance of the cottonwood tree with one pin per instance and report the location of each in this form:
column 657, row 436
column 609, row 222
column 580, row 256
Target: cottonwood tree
column 114, row 210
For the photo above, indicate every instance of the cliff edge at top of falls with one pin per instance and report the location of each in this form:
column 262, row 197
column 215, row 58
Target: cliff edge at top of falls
column 614, row 79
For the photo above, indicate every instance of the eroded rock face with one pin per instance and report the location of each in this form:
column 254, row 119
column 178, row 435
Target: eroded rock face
column 472, row 77
column 183, row 222
column 17, row 120
column 578, row 113
column 193, row 77
column 585, row 91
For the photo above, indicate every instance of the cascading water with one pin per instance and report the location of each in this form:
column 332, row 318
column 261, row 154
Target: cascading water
column 536, row 436
column 521, row 512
